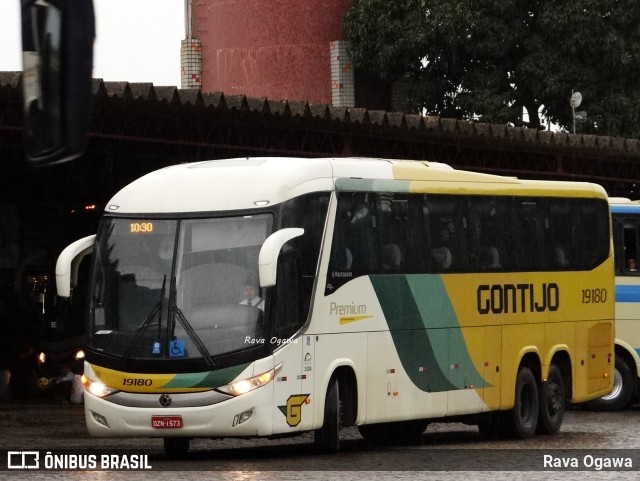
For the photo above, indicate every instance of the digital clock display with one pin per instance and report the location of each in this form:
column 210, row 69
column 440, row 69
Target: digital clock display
column 141, row 227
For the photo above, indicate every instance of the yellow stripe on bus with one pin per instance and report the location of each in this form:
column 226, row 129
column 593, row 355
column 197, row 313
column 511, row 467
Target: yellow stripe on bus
column 350, row 319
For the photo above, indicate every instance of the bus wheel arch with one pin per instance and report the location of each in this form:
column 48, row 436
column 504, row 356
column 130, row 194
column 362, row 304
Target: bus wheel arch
column 625, row 384
column 340, row 408
column 522, row 419
column 348, row 387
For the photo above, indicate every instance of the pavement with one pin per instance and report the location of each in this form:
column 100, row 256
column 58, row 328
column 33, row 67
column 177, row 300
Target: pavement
column 38, row 424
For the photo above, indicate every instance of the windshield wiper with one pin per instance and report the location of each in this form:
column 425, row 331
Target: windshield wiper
column 176, row 312
column 157, row 309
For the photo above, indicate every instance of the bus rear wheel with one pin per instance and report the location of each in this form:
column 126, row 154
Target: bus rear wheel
column 552, row 402
column 623, row 387
column 327, row 438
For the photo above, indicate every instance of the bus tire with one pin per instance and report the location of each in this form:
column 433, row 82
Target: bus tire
column 176, row 447
column 327, row 438
column 522, row 419
column 552, row 402
column 623, row 388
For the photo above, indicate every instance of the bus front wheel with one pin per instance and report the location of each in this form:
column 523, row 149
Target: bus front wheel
column 327, row 438
column 623, row 387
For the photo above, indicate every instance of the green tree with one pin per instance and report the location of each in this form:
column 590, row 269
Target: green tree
column 486, row 59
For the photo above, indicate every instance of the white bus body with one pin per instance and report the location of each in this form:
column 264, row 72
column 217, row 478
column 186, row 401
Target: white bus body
column 396, row 292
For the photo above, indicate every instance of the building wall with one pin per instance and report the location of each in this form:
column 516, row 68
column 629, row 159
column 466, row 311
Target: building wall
column 279, row 49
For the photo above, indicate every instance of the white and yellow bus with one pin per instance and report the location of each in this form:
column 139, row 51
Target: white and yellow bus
column 625, row 215
column 391, row 294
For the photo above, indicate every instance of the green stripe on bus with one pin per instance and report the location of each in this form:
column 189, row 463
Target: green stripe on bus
column 346, row 184
column 425, row 332
column 210, row 379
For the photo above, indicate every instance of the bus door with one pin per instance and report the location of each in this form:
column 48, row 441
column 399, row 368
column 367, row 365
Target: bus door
column 293, row 411
column 290, row 399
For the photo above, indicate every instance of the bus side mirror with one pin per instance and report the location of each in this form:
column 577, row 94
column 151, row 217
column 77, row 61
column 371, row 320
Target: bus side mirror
column 57, row 57
column 68, row 263
column 268, row 258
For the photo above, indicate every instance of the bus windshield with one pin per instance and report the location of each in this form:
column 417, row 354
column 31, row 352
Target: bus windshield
column 176, row 288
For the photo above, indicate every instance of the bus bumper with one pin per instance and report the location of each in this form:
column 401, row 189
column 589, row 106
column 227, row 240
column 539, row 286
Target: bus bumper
column 248, row 415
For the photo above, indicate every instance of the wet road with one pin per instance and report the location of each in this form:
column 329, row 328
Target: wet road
column 447, row 451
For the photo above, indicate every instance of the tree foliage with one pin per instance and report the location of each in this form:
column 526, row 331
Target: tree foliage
column 487, row 59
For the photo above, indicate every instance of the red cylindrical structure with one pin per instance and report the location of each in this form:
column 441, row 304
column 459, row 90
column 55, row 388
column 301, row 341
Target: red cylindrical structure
column 268, row 48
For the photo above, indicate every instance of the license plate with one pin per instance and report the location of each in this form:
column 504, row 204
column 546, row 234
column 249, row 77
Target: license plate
column 166, row 422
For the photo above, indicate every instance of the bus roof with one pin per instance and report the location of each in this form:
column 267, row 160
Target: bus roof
column 249, row 183
column 623, row 205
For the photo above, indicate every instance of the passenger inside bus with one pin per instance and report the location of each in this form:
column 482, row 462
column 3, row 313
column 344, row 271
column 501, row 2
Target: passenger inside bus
column 631, row 265
column 489, row 258
column 442, row 259
column 391, row 258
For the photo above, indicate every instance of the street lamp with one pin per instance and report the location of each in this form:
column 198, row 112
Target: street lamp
column 575, row 101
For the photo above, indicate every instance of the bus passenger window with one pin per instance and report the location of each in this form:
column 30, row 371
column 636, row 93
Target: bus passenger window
column 630, row 240
column 487, row 232
column 341, row 256
column 445, row 232
column 354, row 249
column 392, row 221
column 355, row 240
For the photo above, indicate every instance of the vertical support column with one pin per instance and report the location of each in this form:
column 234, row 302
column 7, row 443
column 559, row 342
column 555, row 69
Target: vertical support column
column 191, row 64
column 342, row 86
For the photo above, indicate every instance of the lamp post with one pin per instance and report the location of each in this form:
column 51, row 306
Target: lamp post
column 575, row 101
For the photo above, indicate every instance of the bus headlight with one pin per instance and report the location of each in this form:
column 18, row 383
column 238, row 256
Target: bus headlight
column 245, row 385
column 96, row 387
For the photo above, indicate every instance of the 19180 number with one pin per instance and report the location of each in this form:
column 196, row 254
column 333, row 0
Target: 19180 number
column 594, row 296
column 136, row 382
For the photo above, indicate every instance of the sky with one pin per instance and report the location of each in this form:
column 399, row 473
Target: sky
column 136, row 40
